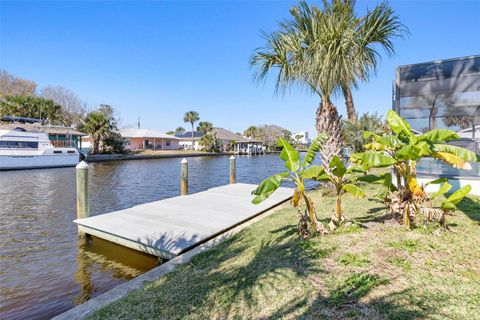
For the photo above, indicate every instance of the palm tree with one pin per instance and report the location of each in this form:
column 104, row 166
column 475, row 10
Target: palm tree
column 251, row 132
column 180, row 130
column 33, row 107
column 353, row 131
column 191, row 117
column 319, row 51
column 359, row 38
column 298, row 137
column 96, row 124
column 204, row 127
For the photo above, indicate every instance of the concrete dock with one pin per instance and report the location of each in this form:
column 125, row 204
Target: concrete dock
column 170, row 227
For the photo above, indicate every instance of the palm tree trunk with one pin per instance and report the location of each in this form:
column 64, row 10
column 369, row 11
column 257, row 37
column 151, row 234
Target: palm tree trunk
column 193, row 141
column 329, row 121
column 96, row 143
column 351, row 113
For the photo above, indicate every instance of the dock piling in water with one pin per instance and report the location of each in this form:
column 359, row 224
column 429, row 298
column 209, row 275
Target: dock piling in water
column 83, row 201
column 233, row 178
column 184, row 177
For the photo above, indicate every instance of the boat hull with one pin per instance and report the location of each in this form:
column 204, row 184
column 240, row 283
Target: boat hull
column 19, row 162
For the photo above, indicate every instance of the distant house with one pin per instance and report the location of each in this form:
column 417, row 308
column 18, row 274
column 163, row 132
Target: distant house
column 230, row 141
column 304, row 139
column 237, row 143
column 145, row 139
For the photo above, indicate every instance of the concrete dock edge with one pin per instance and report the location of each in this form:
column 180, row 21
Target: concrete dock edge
column 87, row 308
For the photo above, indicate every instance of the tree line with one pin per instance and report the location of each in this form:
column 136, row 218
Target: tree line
column 59, row 106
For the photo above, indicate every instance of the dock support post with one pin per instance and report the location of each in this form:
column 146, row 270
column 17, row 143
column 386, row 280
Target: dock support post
column 233, row 178
column 184, row 183
column 83, row 201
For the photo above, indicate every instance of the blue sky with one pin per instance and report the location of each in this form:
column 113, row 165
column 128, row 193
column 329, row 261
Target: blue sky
column 155, row 60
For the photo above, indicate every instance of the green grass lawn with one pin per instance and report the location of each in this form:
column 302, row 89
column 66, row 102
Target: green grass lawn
column 374, row 269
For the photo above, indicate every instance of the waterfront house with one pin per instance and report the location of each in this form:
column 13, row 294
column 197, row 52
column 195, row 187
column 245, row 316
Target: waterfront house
column 237, row 143
column 146, row 139
column 231, row 142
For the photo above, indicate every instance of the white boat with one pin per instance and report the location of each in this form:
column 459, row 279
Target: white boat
column 28, row 150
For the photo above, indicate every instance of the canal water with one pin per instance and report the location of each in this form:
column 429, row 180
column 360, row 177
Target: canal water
column 43, row 270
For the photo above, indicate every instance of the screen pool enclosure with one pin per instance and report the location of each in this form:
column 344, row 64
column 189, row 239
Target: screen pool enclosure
column 442, row 94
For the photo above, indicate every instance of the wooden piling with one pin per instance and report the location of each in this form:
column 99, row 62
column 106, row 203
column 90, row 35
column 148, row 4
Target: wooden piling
column 233, row 178
column 83, row 201
column 184, row 177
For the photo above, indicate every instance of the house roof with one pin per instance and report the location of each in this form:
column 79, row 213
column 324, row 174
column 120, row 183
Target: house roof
column 188, row 135
column 144, row 133
column 35, row 127
column 224, row 134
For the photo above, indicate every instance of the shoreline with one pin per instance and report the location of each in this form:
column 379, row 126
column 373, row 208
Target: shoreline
column 159, row 155
column 121, row 157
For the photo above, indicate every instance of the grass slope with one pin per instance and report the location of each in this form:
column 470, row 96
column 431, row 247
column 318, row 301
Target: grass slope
column 374, row 269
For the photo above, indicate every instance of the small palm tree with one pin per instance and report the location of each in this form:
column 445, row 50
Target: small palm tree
column 180, row 130
column 204, row 127
column 353, row 131
column 251, row 132
column 96, row 124
column 191, row 117
column 298, row 137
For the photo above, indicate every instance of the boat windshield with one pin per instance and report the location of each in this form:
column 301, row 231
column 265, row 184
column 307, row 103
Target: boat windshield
column 19, row 144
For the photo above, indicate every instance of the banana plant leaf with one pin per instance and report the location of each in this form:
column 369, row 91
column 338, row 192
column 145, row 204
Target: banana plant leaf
column 451, row 202
column 389, row 141
column 339, row 167
column 354, row 190
column 400, row 126
column 462, row 153
column 414, row 152
column 314, row 148
column 458, row 195
column 439, row 136
column 452, row 160
column 373, row 159
column 313, row 172
column 268, row 186
column 289, row 155
column 437, row 181
column 444, row 188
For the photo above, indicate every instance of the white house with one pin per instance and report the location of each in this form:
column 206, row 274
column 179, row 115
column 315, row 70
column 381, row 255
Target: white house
column 304, row 137
column 185, row 140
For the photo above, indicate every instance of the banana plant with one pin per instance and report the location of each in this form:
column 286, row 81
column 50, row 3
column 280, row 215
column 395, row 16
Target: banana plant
column 341, row 178
column 447, row 205
column 402, row 150
column 295, row 173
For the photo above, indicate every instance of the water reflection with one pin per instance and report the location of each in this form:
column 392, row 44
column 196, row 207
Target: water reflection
column 98, row 255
